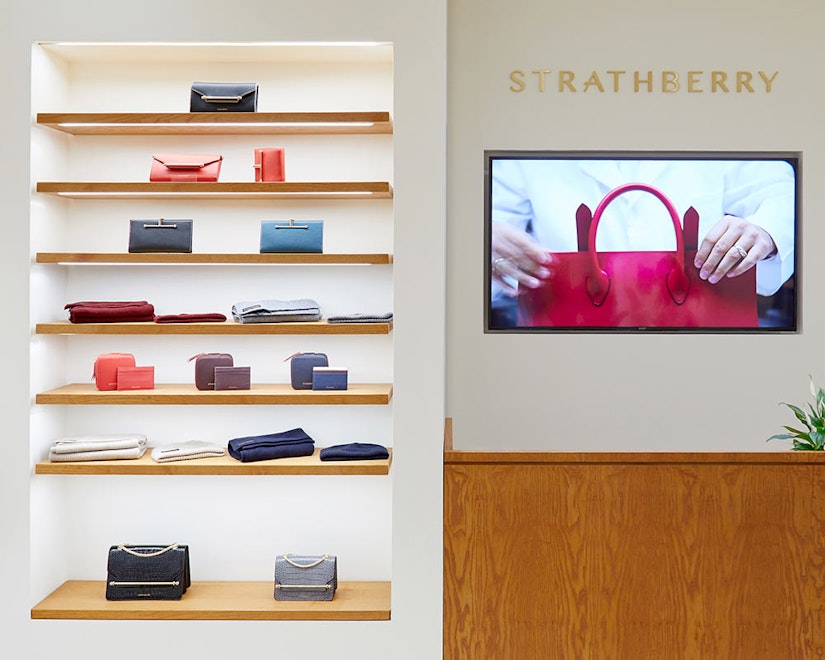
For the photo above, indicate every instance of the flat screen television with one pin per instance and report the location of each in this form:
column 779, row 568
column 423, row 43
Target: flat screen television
column 641, row 241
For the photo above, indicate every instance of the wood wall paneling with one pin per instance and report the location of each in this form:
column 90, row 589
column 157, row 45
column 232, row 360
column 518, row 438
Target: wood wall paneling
column 634, row 560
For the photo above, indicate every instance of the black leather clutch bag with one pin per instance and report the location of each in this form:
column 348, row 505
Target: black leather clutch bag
column 223, row 97
column 160, row 235
column 147, row 572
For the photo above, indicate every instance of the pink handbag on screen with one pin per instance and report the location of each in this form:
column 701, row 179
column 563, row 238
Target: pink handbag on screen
column 637, row 289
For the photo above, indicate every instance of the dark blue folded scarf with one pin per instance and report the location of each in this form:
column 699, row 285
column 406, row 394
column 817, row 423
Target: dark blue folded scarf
column 354, row 451
column 286, row 444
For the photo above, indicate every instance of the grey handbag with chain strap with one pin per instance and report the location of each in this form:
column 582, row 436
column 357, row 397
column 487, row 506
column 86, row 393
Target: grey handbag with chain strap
column 306, row 577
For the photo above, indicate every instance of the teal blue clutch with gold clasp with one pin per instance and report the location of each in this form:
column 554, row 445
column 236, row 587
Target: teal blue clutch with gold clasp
column 292, row 236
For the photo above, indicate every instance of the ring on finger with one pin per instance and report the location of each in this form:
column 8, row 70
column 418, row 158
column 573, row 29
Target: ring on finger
column 742, row 251
column 497, row 264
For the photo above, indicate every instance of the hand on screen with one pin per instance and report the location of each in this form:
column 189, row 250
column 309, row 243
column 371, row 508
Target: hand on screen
column 517, row 256
column 732, row 247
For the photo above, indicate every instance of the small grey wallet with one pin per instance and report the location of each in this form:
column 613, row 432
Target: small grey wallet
column 232, row 378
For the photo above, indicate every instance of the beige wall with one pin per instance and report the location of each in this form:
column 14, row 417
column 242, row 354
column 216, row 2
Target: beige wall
column 627, row 392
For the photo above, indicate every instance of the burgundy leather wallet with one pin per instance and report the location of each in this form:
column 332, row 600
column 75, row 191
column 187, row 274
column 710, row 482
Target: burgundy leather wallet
column 135, row 378
column 232, row 378
column 205, row 364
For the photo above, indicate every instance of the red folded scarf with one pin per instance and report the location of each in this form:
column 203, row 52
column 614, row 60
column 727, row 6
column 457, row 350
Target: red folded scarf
column 110, row 312
column 190, row 318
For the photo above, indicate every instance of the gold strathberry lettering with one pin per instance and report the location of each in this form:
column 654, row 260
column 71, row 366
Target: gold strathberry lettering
column 566, row 80
column 743, row 80
column 541, row 73
column 768, row 81
column 518, row 81
column 717, row 80
column 693, row 82
column 670, row 81
column 593, row 80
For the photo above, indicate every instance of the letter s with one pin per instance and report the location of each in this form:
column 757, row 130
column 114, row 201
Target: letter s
column 518, row 81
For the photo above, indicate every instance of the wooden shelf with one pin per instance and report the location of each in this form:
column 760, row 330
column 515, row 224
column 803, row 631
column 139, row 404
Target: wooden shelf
column 368, row 259
column 218, row 123
column 230, row 190
column 186, row 394
column 218, row 601
column 221, row 465
column 218, row 328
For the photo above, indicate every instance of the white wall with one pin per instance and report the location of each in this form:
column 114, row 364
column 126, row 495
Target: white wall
column 629, row 391
column 411, row 525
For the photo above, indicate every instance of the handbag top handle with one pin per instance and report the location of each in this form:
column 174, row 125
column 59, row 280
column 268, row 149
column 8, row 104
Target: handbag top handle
column 321, row 560
column 598, row 283
column 156, row 553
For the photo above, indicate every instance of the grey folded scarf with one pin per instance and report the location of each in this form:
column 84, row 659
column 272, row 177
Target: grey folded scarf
column 276, row 311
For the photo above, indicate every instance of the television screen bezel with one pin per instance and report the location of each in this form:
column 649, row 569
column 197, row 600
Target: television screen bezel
column 794, row 157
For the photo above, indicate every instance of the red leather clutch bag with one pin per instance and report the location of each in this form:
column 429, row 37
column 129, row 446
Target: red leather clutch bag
column 185, row 167
column 269, row 165
column 135, row 378
column 106, row 368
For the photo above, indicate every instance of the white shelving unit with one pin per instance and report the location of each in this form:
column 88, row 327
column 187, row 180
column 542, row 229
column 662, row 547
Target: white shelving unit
column 101, row 111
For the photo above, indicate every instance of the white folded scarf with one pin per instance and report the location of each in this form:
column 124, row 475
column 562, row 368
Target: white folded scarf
column 186, row 450
column 98, row 447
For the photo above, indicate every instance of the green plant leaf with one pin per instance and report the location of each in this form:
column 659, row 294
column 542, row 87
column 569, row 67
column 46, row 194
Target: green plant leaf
column 780, row 436
column 801, row 446
column 798, row 412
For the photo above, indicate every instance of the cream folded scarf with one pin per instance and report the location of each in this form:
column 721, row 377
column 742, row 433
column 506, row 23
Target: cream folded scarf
column 98, row 447
column 188, row 449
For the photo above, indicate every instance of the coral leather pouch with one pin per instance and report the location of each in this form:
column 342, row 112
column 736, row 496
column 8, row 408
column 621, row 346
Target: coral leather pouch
column 205, row 364
column 185, row 167
column 223, row 97
column 135, row 378
column 301, row 365
column 160, row 235
column 290, row 236
column 106, row 366
column 147, row 572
